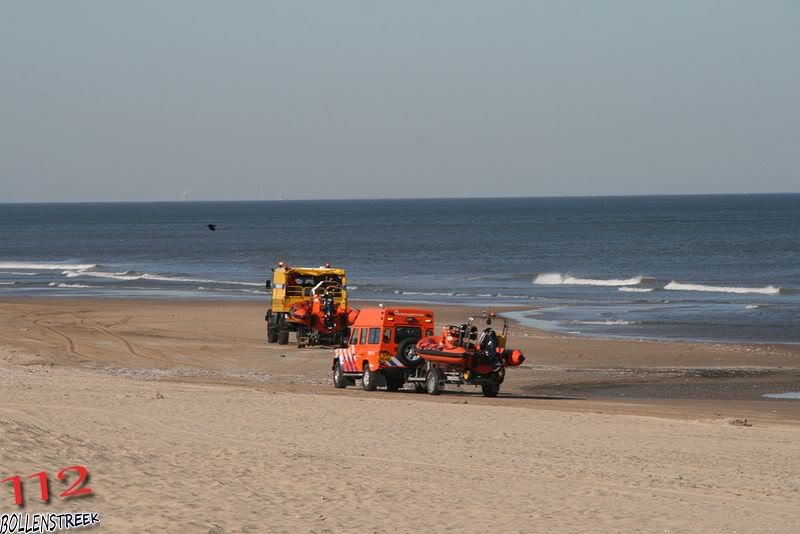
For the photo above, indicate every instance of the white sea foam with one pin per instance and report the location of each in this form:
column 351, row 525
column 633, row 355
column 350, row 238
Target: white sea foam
column 678, row 286
column 130, row 276
column 605, row 323
column 221, row 290
column 7, row 283
column 788, row 395
column 636, row 289
column 46, row 266
column 553, row 279
column 163, row 278
column 77, row 286
column 424, row 293
column 18, row 273
column 100, row 274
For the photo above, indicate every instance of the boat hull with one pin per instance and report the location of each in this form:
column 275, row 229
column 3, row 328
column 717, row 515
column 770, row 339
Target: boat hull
column 444, row 357
column 434, row 350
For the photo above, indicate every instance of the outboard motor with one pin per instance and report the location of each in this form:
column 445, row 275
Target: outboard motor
column 330, row 311
column 488, row 346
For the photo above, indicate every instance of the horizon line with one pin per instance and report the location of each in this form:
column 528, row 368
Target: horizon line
column 370, row 199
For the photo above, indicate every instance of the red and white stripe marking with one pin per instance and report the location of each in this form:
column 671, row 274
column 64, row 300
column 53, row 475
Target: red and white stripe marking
column 347, row 357
column 350, row 363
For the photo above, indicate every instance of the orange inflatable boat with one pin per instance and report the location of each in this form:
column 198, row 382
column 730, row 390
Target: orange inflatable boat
column 321, row 315
column 465, row 348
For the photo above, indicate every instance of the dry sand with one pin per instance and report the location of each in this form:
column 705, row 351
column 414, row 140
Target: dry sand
column 188, row 421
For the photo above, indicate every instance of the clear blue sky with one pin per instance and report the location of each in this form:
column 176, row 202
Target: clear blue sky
column 113, row 100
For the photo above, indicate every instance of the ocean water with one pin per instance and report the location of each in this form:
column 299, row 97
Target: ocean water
column 715, row 268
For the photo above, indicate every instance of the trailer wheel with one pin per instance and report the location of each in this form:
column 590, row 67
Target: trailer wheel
column 283, row 332
column 490, row 390
column 368, row 379
column 432, row 382
column 407, row 353
column 500, row 376
column 339, row 380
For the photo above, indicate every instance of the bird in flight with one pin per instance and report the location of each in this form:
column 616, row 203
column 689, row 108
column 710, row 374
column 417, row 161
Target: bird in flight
column 212, row 227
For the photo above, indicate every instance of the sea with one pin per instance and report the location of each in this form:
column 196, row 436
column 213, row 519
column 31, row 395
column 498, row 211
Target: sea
column 717, row 268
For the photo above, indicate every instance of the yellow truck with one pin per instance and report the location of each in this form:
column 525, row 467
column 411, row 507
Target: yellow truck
column 310, row 301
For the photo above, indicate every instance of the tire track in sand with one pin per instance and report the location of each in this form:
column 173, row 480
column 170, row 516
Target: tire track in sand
column 128, row 346
column 71, row 345
column 106, row 329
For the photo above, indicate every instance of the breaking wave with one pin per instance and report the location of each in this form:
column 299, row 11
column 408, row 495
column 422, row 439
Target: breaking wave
column 424, row 293
column 605, row 323
column 130, row 276
column 46, row 266
column 219, row 290
column 553, row 279
column 678, row 286
column 636, row 289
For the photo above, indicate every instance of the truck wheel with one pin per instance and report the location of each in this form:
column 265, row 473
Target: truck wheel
column 419, row 387
column 283, row 333
column 368, row 379
column 393, row 383
column 490, row 390
column 432, row 382
column 301, row 334
column 339, row 380
column 407, row 353
column 272, row 331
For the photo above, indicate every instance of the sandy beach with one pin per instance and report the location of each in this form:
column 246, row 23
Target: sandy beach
column 188, row 421
column 609, row 190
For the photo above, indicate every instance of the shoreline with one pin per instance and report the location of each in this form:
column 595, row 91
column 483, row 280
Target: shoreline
column 452, row 313
column 501, row 309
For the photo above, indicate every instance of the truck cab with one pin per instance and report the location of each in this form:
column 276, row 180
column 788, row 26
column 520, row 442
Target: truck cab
column 382, row 347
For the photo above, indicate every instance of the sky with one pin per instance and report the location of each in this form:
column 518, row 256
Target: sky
column 195, row 100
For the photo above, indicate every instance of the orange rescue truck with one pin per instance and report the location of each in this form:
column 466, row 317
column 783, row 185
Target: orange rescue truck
column 382, row 348
column 389, row 347
column 311, row 301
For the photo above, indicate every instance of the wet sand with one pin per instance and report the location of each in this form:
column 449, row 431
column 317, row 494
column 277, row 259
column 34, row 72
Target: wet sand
column 187, row 418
